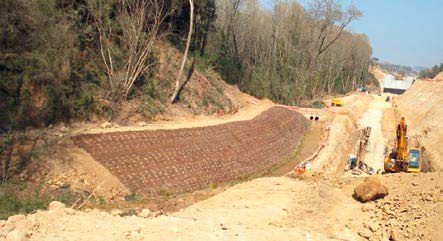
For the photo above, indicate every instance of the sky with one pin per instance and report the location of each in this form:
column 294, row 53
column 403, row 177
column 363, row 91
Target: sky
column 406, row 32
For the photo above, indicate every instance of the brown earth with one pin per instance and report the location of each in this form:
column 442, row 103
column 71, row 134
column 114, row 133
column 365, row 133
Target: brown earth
column 316, row 206
column 421, row 105
column 308, row 146
column 184, row 160
column 439, row 76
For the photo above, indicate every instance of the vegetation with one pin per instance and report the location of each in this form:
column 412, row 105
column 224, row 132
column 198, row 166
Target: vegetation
column 15, row 199
column 431, row 72
column 76, row 59
column 401, row 69
column 289, row 54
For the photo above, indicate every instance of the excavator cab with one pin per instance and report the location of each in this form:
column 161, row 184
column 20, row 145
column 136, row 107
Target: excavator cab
column 414, row 158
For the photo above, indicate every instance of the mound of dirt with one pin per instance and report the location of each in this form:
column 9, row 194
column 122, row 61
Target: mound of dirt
column 371, row 189
column 421, row 106
column 439, row 76
column 183, row 160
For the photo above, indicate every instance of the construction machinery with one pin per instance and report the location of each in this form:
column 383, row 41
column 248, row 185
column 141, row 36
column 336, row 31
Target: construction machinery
column 401, row 158
column 337, row 102
column 355, row 162
column 398, row 76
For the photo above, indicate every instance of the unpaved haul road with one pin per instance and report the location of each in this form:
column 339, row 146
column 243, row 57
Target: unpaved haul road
column 373, row 117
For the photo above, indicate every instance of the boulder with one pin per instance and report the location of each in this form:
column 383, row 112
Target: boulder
column 371, row 189
column 56, row 205
column 145, row 213
column 116, row 212
column 364, row 233
column 142, row 124
column 64, row 129
column 16, row 235
column 106, row 125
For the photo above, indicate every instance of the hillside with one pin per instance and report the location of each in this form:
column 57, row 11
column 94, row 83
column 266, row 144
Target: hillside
column 421, row 106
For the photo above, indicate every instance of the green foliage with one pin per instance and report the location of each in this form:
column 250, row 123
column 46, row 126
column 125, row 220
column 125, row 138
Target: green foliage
column 431, row 72
column 317, row 104
column 16, row 199
column 45, row 75
column 133, row 197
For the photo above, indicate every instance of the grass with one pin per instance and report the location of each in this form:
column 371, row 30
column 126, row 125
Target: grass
column 133, row 197
column 21, row 199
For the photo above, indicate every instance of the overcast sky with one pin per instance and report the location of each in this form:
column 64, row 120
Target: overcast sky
column 407, row 32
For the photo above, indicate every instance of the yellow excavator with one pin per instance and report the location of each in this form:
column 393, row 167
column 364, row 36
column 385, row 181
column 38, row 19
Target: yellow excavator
column 401, row 158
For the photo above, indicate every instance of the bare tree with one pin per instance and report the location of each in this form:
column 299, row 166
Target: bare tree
column 126, row 55
column 331, row 21
column 185, row 56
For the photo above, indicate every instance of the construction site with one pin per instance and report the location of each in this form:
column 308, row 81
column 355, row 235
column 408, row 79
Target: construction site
column 366, row 166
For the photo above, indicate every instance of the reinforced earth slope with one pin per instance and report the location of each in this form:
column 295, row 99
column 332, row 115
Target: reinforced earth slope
column 183, row 160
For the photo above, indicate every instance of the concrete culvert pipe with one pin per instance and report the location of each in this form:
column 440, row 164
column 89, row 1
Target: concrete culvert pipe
column 316, row 118
column 311, row 117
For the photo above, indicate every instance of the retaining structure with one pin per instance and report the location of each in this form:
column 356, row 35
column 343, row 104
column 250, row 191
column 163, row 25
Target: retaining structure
column 182, row 160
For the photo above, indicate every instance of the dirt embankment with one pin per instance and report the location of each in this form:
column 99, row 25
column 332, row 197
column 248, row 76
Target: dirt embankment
column 421, row 105
column 183, row 160
column 342, row 135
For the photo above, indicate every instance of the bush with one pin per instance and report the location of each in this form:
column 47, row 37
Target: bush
column 20, row 199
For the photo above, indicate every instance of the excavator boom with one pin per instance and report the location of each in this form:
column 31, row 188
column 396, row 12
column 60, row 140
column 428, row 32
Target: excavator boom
column 402, row 159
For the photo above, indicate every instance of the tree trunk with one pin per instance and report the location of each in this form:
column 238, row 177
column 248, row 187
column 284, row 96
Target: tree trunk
column 185, row 55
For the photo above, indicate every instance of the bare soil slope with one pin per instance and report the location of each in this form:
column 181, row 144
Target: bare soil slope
column 421, row 105
column 439, row 76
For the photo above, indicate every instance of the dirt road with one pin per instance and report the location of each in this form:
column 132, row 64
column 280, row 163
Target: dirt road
column 374, row 155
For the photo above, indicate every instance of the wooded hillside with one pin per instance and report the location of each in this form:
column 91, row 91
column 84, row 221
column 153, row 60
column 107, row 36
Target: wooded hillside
column 64, row 60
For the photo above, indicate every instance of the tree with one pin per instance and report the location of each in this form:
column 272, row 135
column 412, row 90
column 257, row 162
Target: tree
column 127, row 32
column 185, row 55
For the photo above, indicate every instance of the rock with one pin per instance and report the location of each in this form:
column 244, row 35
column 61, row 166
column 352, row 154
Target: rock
column 393, row 235
column 69, row 211
column 145, row 213
column 365, row 208
column 365, row 234
column 371, row 189
column 87, row 210
column 373, row 227
column 16, row 235
column 106, row 125
column 116, row 212
column 142, row 124
column 16, row 218
column 56, row 205
column 414, row 184
column 64, row 129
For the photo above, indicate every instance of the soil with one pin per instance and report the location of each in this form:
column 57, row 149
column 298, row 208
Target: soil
column 308, row 146
column 439, row 76
column 273, row 208
column 421, row 107
column 374, row 153
column 183, row 160
column 314, row 206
